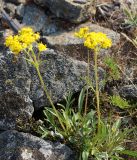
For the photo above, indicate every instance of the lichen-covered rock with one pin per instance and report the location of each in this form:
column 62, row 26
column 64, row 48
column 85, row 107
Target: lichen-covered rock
column 20, row 11
column 23, row 146
column 61, row 74
column 67, row 43
column 20, row 89
column 38, row 19
column 75, row 11
column 15, row 104
column 129, row 91
column 34, row 17
column 10, row 8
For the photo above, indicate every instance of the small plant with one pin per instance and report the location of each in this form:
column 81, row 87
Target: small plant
column 112, row 67
column 91, row 137
column 23, row 42
column 81, row 131
column 79, row 128
column 131, row 16
column 95, row 42
column 116, row 100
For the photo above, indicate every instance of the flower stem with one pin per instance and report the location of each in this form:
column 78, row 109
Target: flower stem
column 48, row 96
column 97, row 88
column 86, row 101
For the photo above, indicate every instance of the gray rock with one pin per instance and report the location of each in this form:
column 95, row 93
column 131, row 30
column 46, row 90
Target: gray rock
column 15, row 104
column 20, row 10
column 1, row 4
column 70, row 10
column 20, row 89
column 61, row 74
column 17, row 1
column 23, row 146
column 67, row 43
column 129, row 91
column 10, row 8
column 34, row 17
column 52, row 26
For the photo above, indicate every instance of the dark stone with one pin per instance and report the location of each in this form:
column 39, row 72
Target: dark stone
column 15, row 104
column 69, row 10
column 34, row 17
column 23, row 146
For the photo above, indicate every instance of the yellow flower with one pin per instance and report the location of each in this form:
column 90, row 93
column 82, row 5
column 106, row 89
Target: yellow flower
column 26, row 30
column 14, row 44
column 42, row 47
column 96, row 41
column 82, row 32
column 28, row 39
column 8, row 41
column 24, row 40
column 16, row 47
column 36, row 36
column 27, row 36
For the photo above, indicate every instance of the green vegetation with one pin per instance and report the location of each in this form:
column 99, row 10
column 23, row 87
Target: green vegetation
column 112, row 66
column 116, row 100
column 80, row 126
column 131, row 16
column 81, row 131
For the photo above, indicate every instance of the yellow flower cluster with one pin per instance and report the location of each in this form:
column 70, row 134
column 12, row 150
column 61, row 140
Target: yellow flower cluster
column 82, row 32
column 25, row 38
column 13, row 43
column 41, row 47
column 94, row 40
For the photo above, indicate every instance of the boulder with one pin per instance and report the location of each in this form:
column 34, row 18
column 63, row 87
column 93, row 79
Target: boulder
column 10, row 8
column 20, row 11
column 21, row 92
column 75, row 11
column 15, row 104
column 68, row 44
column 23, row 146
column 34, row 17
column 61, row 74
column 129, row 91
column 38, row 19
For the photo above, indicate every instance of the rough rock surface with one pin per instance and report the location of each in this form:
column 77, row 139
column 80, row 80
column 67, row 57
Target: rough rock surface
column 10, row 8
column 20, row 11
column 15, row 104
column 23, row 146
column 20, row 89
column 34, row 17
column 75, row 11
column 129, row 91
column 17, row 1
column 67, row 43
column 61, row 74
column 1, row 4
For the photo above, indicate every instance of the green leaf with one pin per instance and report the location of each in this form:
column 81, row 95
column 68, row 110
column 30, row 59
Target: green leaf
column 129, row 153
column 112, row 65
column 85, row 155
column 81, row 99
column 116, row 100
column 116, row 125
